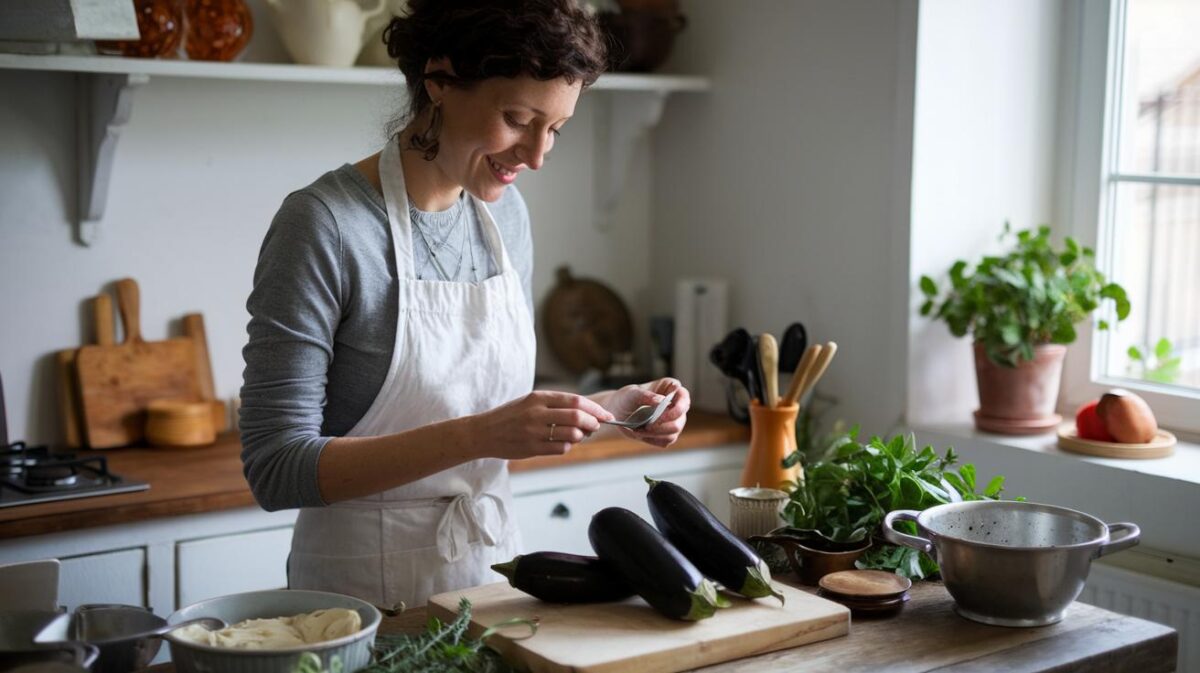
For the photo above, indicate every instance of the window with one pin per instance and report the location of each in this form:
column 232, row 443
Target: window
column 1141, row 207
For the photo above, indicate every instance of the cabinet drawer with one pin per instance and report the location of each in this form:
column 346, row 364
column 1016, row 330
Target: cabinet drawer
column 108, row 577
column 230, row 564
column 558, row 520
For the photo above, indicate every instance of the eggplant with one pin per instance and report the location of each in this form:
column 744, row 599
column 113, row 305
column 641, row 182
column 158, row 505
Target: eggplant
column 556, row 577
column 656, row 570
column 706, row 542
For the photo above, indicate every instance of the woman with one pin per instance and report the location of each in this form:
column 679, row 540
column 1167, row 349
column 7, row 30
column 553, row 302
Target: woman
column 391, row 351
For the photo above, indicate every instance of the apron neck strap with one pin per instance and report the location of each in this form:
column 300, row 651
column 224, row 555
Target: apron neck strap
column 395, row 198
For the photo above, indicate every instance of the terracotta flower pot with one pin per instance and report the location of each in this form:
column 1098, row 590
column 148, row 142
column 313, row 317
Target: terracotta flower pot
column 1020, row 400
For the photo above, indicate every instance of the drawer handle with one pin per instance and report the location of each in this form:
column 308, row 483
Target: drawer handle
column 560, row 511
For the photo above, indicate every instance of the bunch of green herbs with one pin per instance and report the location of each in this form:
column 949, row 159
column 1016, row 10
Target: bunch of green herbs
column 1032, row 295
column 441, row 648
column 845, row 495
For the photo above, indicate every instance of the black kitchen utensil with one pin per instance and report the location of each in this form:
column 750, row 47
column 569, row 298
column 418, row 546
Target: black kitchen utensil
column 737, row 357
column 3, row 417
column 791, row 347
column 759, row 378
column 729, row 354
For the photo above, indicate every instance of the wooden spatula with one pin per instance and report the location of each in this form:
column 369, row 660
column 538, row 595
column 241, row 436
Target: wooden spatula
column 117, row 382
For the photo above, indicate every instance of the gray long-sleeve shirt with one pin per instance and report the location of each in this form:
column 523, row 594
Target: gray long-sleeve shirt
column 323, row 319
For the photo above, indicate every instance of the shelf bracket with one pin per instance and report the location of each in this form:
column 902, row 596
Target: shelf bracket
column 104, row 104
column 623, row 119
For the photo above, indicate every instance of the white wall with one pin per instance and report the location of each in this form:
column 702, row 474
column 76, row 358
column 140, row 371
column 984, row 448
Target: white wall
column 199, row 171
column 984, row 139
column 791, row 179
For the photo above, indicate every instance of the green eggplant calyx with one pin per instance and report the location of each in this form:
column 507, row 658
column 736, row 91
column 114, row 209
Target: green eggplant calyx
column 509, row 570
column 652, row 482
column 758, row 584
column 705, row 601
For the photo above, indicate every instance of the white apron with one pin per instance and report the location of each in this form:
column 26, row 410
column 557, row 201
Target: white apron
column 461, row 348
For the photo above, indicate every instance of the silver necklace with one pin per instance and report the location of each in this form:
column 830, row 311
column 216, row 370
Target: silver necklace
column 433, row 249
column 414, row 215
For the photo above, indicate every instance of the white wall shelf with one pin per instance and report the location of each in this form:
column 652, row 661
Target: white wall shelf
column 289, row 72
column 107, row 85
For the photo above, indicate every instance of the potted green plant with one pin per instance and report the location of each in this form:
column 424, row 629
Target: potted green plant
column 1021, row 309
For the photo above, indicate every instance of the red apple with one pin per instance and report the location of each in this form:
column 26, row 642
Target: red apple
column 1089, row 425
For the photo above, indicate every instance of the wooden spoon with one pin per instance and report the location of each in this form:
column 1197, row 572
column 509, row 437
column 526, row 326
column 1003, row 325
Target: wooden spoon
column 803, row 370
column 768, row 355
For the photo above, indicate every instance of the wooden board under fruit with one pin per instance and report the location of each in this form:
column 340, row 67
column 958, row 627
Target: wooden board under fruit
column 631, row 636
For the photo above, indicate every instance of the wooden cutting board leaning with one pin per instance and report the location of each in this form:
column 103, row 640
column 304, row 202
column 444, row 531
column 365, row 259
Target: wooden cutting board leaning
column 65, row 371
column 630, row 636
column 117, row 382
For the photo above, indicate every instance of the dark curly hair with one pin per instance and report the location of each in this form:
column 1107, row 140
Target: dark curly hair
column 542, row 39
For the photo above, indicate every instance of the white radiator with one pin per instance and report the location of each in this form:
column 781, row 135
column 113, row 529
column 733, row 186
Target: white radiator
column 1139, row 595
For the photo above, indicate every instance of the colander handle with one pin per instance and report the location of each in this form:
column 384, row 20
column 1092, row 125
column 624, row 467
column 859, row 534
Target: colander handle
column 1130, row 538
column 903, row 539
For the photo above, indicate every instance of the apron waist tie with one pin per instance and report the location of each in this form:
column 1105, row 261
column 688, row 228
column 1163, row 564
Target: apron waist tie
column 463, row 518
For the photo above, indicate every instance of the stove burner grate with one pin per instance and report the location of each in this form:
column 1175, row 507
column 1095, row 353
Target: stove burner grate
column 36, row 470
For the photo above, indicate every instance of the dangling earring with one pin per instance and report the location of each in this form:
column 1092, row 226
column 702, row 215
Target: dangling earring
column 427, row 141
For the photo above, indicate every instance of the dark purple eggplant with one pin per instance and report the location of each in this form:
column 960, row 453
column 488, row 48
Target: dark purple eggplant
column 706, row 542
column 556, row 577
column 658, row 572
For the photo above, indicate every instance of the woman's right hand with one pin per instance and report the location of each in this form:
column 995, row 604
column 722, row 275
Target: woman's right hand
column 541, row 423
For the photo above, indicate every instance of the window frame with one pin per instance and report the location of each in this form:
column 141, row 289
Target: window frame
column 1093, row 67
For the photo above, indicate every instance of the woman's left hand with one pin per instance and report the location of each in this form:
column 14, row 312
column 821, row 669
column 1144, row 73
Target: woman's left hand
column 666, row 429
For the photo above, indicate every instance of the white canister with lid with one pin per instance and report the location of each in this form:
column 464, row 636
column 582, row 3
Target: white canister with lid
column 755, row 511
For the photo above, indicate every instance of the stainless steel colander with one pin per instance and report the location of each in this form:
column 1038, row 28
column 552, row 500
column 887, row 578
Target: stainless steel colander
column 1011, row 563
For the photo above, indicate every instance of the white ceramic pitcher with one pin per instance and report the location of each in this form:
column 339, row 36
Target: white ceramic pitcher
column 323, row 32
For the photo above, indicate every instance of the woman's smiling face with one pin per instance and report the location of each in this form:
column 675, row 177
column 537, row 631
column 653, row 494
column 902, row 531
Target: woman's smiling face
column 499, row 127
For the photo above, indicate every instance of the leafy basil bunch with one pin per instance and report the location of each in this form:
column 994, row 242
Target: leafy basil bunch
column 845, row 496
column 1033, row 295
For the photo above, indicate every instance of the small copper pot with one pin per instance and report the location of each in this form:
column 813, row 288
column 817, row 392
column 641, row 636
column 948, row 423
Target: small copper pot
column 813, row 556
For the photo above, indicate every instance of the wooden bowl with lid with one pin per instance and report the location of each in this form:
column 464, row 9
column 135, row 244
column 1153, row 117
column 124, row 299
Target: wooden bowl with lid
column 180, row 423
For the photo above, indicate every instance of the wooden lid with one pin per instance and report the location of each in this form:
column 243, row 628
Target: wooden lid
column 178, row 408
column 873, row 584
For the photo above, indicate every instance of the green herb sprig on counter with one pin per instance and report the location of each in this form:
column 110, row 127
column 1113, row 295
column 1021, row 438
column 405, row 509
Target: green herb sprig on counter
column 845, row 496
column 441, row 648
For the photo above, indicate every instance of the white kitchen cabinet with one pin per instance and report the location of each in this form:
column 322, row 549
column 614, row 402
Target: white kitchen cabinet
column 553, row 507
column 230, row 564
column 170, row 562
column 109, row 577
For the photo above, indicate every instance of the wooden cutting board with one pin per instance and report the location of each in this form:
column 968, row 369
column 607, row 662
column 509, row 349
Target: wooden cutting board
column 117, row 382
column 65, row 372
column 631, row 636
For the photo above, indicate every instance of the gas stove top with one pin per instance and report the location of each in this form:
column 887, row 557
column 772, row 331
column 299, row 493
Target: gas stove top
column 32, row 474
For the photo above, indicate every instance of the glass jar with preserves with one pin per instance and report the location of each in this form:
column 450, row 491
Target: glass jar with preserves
column 217, row 30
column 160, row 24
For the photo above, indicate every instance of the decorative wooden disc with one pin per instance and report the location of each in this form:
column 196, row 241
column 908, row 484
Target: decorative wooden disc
column 873, row 585
column 1161, row 446
column 585, row 323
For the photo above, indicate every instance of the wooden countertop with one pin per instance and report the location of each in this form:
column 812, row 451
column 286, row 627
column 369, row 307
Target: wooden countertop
column 929, row 636
column 208, row 479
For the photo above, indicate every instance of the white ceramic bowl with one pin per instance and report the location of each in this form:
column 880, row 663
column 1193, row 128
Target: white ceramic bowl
column 353, row 651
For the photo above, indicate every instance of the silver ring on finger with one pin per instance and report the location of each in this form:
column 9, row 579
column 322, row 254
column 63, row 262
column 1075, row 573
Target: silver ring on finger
column 551, row 437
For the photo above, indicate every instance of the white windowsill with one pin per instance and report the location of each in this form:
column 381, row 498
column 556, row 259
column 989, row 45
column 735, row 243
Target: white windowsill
column 1184, row 465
